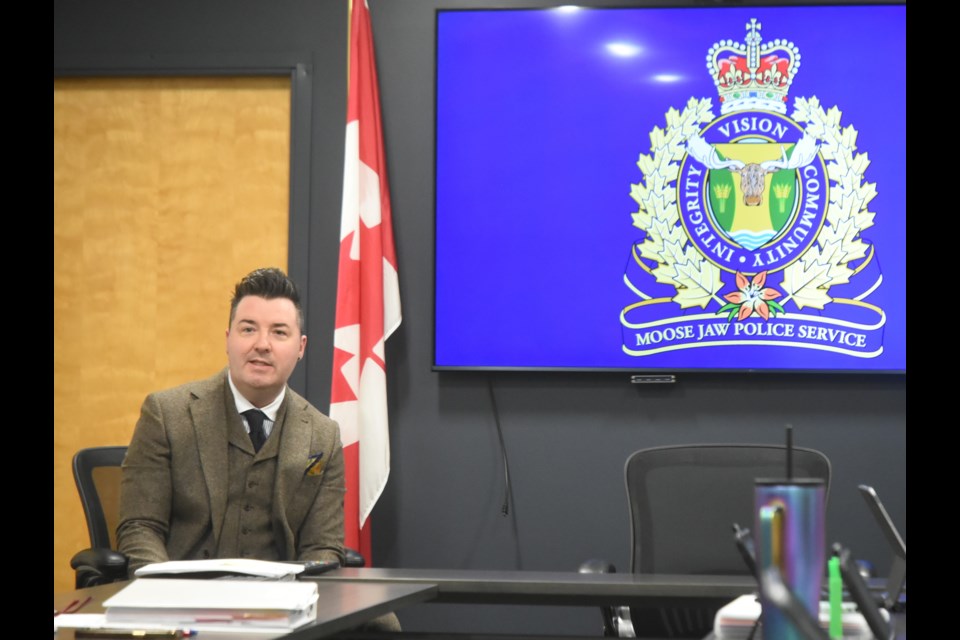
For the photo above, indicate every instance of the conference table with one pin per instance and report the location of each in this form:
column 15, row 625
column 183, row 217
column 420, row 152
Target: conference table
column 550, row 587
column 557, row 588
column 351, row 596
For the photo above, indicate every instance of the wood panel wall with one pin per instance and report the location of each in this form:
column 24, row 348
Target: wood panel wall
column 166, row 192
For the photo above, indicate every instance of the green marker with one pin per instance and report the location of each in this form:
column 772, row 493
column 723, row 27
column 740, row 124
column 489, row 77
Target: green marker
column 836, row 598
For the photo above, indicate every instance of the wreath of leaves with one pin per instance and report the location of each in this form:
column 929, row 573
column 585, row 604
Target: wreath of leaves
column 808, row 280
column 678, row 263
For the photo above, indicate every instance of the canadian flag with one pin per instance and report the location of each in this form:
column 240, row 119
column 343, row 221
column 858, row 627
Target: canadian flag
column 368, row 296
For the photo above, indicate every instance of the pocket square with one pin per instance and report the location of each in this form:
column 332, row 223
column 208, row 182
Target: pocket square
column 315, row 466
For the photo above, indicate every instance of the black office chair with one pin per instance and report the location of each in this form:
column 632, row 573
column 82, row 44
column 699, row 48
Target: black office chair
column 683, row 502
column 96, row 471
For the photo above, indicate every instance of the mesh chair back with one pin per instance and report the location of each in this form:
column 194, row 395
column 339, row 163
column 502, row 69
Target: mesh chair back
column 685, row 499
column 96, row 470
column 683, row 503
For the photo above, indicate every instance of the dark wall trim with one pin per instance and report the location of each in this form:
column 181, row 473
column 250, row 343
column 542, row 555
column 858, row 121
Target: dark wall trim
column 301, row 104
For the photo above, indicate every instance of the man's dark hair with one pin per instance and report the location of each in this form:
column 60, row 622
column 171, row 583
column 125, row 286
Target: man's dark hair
column 267, row 283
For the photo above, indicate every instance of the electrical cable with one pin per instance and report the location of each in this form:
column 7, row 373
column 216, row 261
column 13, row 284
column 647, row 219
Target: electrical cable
column 505, row 508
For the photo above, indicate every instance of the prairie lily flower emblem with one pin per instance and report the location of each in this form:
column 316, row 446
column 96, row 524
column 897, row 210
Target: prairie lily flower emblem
column 751, row 298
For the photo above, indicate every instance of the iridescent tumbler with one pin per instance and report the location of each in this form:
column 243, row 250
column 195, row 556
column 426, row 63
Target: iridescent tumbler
column 791, row 521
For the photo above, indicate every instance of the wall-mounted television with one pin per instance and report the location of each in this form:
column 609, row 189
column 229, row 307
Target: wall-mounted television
column 671, row 189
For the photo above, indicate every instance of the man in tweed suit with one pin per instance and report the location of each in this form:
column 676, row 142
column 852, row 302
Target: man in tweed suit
column 203, row 478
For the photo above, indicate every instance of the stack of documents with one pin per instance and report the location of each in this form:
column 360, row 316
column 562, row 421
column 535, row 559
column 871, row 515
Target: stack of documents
column 221, row 605
column 736, row 620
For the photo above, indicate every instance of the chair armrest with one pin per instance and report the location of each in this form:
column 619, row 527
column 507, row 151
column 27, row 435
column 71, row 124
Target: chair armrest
column 98, row 566
column 353, row 558
column 609, row 615
column 596, row 565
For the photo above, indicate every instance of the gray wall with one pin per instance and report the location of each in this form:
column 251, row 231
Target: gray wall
column 566, row 434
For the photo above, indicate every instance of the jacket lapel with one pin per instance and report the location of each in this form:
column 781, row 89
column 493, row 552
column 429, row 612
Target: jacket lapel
column 212, row 423
column 295, row 444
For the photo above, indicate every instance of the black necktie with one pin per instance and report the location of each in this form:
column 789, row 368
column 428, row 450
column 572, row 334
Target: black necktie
column 255, row 419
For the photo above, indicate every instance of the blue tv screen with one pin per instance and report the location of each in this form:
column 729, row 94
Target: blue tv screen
column 671, row 189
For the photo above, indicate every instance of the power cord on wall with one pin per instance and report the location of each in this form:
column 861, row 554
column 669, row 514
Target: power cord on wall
column 505, row 507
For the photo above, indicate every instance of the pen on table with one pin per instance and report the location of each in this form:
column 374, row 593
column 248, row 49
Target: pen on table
column 139, row 634
column 74, row 606
column 234, row 617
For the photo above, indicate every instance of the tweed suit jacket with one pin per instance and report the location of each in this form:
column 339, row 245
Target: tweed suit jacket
column 173, row 491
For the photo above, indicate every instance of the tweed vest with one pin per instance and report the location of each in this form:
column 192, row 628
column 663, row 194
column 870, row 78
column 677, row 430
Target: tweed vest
column 248, row 530
column 247, row 524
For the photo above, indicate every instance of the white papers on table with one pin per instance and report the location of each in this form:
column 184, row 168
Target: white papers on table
column 735, row 620
column 223, row 566
column 78, row 621
column 97, row 621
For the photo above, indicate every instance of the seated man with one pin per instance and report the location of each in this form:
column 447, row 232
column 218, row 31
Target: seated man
column 238, row 465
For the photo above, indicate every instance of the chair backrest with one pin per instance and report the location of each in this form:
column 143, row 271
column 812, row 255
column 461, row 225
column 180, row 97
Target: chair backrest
column 96, row 471
column 684, row 500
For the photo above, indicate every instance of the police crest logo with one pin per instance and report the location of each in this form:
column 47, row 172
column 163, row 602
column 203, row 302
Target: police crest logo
column 755, row 221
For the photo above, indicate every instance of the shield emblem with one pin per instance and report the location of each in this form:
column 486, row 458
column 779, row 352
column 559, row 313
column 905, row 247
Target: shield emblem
column 752, row 206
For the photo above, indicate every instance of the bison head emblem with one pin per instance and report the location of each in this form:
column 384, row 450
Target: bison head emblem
column 752, row 174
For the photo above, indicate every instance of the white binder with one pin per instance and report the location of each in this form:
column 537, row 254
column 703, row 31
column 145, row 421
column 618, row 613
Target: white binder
column 213, row 604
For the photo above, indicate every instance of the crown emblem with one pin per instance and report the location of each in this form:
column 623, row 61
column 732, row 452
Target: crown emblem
column 753, row 75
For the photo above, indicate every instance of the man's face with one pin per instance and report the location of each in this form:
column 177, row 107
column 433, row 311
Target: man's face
column 263, row 345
